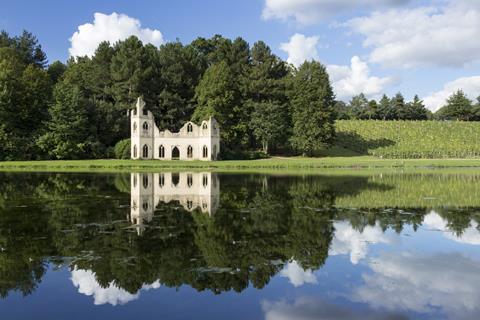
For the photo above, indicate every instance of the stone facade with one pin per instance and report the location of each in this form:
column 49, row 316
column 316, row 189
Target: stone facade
column 192, row 142
column 192, row 190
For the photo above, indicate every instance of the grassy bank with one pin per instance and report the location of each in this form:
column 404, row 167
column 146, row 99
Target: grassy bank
column 409, row 139
column 274, row 164
column 415, row 191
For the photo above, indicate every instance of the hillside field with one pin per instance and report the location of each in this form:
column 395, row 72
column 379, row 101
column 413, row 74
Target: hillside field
column 408, row 139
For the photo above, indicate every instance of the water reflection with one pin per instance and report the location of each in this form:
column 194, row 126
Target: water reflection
column 468, row 233
column 423, row 283
column 192, row 190
column 86, row 282
column 355, row 243
column 121, row 235
column 311, row 308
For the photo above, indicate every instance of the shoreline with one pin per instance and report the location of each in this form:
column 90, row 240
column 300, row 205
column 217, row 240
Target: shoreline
column 273, row 165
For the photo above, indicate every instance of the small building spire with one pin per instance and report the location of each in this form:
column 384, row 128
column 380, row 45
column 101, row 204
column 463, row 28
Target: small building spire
column 140, row 103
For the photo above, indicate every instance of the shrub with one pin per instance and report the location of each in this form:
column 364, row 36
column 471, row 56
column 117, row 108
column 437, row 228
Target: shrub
column 122, row 149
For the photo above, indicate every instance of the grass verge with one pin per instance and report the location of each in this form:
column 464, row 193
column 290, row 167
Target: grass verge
column 264, row 165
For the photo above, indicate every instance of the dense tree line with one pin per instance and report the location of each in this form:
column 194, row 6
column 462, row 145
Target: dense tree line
column 80, row 109
column 395, row 108
column 457, row 107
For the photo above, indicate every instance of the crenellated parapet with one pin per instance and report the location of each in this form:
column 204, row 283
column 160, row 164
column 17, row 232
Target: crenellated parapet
column 191, row 142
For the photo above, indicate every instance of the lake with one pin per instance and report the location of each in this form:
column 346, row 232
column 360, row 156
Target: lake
column 203, row 245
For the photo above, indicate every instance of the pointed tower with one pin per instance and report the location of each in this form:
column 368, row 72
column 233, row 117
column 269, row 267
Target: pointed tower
column 141, row 131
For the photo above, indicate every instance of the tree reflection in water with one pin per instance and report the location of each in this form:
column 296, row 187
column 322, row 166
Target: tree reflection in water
column 209, row 231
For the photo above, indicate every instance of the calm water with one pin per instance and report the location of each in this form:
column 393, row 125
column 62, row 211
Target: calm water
column 223, row 246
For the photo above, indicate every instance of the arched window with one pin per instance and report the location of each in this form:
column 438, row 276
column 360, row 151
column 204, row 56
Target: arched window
column 205, row 180
column 145, row 206
column 135, row 151
column 205, row 151
column 145, row 181
column 145, row 112
column 145, row 126
column 189, row 180
column 161, row 180
column 204, row 126
column 161, row 151
column 189, row 152
column 189, row 127
column 134, row 181
column 145, row 151
column 134, row 127
column 189, row 205
column 135, row 111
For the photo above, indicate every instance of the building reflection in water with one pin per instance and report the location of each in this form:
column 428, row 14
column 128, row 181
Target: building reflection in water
column 193, row 190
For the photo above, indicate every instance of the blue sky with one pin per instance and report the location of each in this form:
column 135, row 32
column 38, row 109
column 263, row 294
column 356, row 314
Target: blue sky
column 423, row 47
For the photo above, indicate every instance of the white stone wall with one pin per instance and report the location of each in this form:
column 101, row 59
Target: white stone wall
column 144, row 132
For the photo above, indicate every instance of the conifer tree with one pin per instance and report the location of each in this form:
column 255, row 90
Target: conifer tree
column 266, row 98
column 312, row 108
column 458, row 107
column 384, row 111
column 180, row 71
column 398, row 106
column 359, row 106
column 133, row 72
column 69, row 134
column 417, row 110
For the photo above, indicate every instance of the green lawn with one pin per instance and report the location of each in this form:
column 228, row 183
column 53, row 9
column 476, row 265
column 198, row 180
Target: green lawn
column 273, row 164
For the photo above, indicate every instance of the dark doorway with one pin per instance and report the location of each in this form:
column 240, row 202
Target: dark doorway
column 175, row 153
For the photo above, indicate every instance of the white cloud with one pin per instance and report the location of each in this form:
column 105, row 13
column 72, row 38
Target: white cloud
column 447, row 282
column 424, row 36
column 469, row 236
column 469, row 85
column 300, row 49
column 348, row 81
column 297, row 275
column 88, row 285
column 309, row 308
column 112, row 28
column 311, row 11
column 347, row 240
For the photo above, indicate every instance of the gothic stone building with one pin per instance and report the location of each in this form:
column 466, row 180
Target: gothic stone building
column 192, row 142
